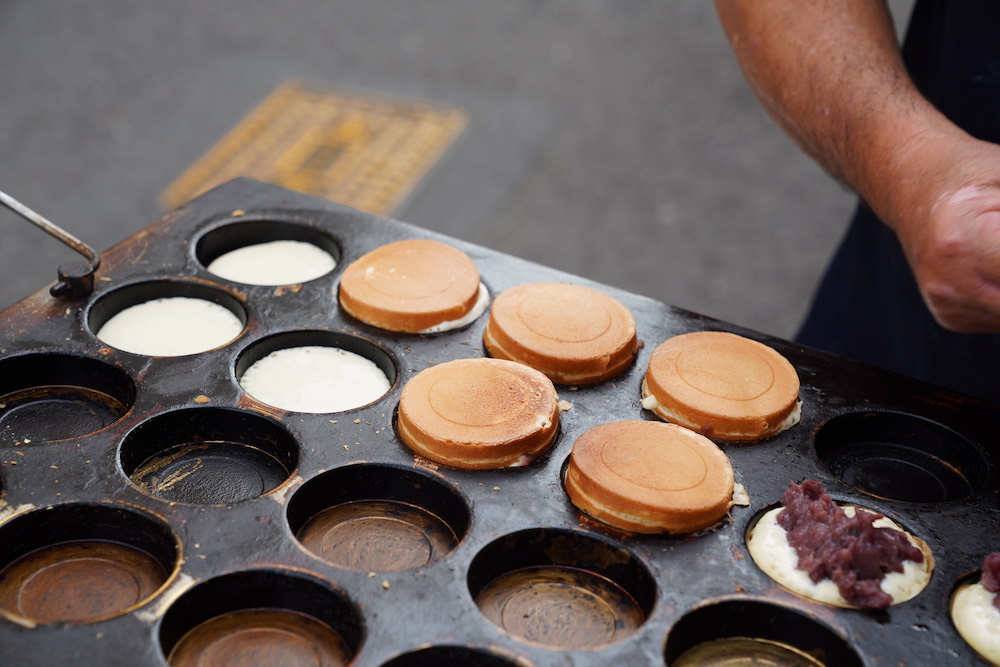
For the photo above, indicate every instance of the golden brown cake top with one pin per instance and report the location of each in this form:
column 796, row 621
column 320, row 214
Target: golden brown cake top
column 410, row 285
column 478, row 413
column 722, row 384
column 650, row 477
column 573, row 334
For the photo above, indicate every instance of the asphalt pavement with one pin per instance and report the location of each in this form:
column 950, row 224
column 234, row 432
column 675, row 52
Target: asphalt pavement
column 613, row 140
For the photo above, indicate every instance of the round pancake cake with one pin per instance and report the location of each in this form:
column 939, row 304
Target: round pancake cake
column 573, row 334
column 413, row 286
column 723, row 385
column 479, row 413
column 649, row 477
column 975, row 613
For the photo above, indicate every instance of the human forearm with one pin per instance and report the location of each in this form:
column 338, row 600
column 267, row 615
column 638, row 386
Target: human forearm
column 831, row 74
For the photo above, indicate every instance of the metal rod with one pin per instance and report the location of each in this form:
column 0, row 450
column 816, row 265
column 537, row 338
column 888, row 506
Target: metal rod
column 75, row 278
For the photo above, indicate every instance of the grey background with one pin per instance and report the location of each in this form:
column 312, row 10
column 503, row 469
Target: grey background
column 614, row 140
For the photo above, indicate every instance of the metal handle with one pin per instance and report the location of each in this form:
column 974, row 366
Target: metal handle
column 76, row 279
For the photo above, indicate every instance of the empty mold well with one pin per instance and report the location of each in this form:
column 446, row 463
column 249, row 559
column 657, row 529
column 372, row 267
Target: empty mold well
column 752, row 632
column 561, row 589
column 900, row 456
column 52, row 396
column 81, row 563
column 261, row 617
column 378, row 518
column 208, row 455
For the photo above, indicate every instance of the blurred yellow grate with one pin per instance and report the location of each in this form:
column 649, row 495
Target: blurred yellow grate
column 363, row 150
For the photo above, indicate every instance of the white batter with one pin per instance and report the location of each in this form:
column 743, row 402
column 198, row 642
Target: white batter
column 769, row 548
column 171, row 327
column 273, row 263
column 977, row 620
column 315, row 379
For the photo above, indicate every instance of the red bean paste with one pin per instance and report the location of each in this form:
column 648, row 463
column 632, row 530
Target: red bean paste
column 991, row 576
column 850, row 551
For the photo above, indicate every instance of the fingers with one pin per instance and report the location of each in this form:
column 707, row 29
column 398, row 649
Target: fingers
column 958, row 270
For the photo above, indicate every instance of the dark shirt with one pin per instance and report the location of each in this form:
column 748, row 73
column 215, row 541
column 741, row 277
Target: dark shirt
column 868, row 307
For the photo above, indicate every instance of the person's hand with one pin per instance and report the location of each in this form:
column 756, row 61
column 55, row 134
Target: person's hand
column 952, row 238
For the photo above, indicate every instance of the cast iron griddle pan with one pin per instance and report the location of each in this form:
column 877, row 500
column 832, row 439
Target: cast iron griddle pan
column 150, row 499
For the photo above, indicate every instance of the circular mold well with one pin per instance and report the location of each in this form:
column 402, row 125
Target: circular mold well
column 454, row 656
column 899, row 456
column 45, row 397
column 377, row 518
column 83, row 563
column 261, row 617
column 317, row 372
column 267, row 252
column 732, row 633
column 163, row 318
column 208, row 455
column 561, row 590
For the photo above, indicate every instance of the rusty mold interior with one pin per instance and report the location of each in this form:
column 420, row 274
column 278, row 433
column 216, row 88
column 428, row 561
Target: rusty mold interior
column 150, row 507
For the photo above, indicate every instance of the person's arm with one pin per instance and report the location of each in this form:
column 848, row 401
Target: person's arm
column 831, row 75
